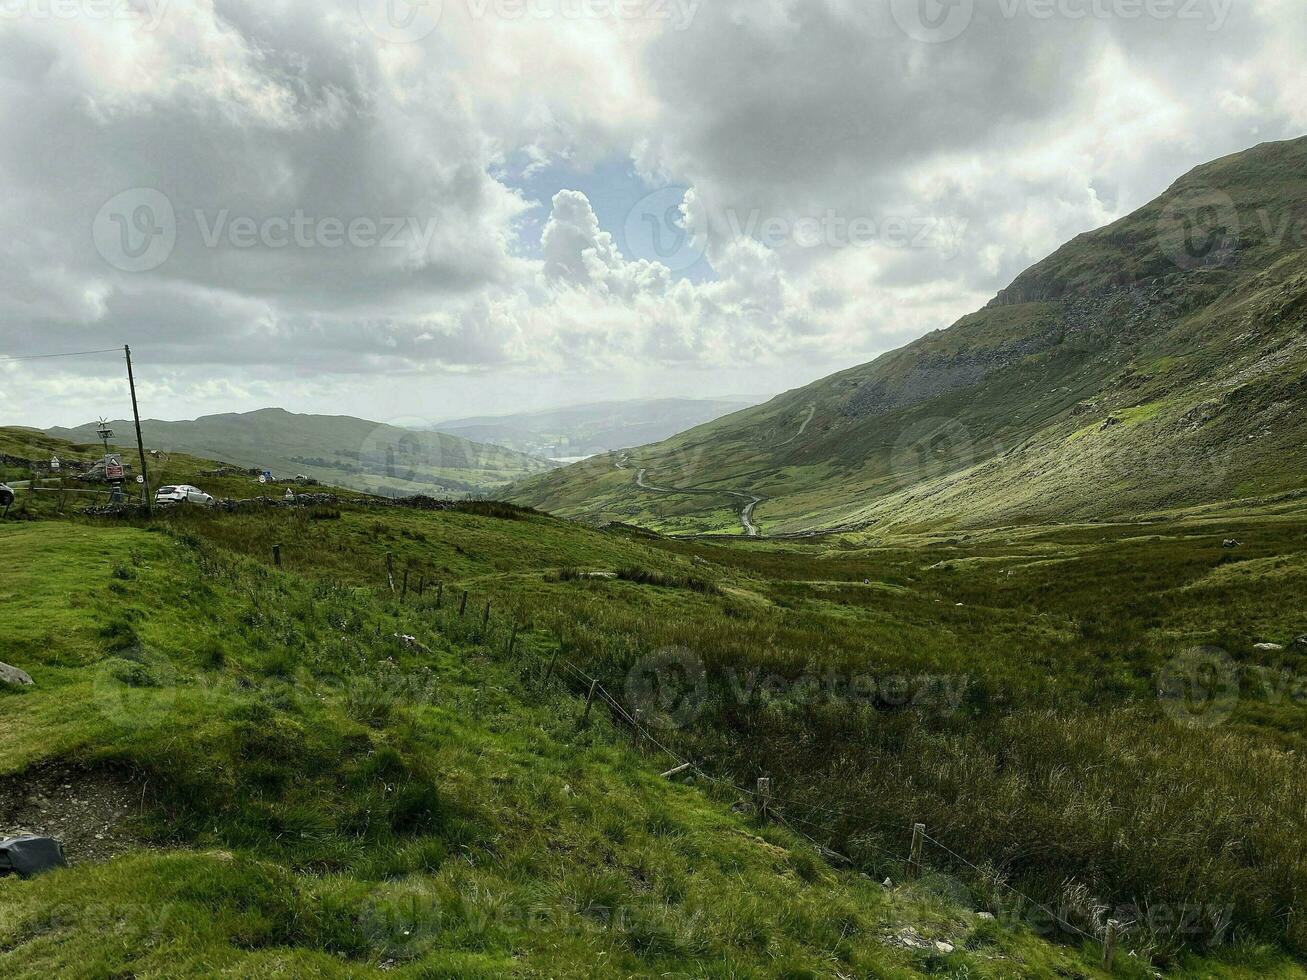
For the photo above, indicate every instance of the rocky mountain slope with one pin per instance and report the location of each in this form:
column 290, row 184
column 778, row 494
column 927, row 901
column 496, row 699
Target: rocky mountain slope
column 1156, row 362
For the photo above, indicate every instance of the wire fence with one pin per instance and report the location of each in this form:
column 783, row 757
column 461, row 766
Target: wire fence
column 767, row 804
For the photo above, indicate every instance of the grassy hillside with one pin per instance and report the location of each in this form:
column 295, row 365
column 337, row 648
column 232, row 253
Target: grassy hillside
column 283, row 772
column 356, row 453
column 292, row 769
column 1134, row 369
column 584, row 430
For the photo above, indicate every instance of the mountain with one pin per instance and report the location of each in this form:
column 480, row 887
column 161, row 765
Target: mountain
column 355, row 453
column 1158, row 362
column 584, row 430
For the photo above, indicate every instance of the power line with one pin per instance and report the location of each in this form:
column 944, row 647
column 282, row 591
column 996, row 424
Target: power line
column 71, row 353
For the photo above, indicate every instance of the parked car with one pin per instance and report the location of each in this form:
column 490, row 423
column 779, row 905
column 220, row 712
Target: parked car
column 6, row 496
column 182, row 494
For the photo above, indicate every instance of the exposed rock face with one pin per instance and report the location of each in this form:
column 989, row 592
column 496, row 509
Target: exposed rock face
column 14, row 676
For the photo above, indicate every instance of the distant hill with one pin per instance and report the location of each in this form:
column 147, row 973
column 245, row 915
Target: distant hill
column 584, row 430
column 1160, row 361
column 339, row 450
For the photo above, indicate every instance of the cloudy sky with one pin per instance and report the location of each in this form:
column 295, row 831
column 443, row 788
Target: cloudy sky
column 402, row 211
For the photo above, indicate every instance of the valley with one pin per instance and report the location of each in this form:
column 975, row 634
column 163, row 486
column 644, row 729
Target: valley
column 1119, row 376
column 879, row 679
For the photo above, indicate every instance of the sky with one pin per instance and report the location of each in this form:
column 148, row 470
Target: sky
column 422, row 210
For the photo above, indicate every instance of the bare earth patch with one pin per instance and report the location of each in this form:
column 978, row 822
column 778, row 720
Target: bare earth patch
column 86, row 810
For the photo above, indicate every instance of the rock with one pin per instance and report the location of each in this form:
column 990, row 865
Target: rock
column 14, row 676
column 1300, row 643
column 989, row 916
column 1268, row 647
column 1231, row 543
column 943, row 947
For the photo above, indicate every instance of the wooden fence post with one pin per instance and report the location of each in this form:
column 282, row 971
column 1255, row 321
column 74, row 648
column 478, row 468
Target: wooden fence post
column 764, row 797
column 550, row 672
column 390, row 570
column 404, row 592
column 485, row 620
column 512, row 641
column 462, row 606
column 276, row 555
column 1109, row 943
column 914, row 858
column 589, row 700
column 440, row 593
column 422, row 585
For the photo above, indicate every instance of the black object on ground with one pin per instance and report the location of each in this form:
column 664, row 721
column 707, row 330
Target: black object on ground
column 28, row 855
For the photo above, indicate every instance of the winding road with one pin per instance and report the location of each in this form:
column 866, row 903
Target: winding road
column 752, row 500
column 746, row 513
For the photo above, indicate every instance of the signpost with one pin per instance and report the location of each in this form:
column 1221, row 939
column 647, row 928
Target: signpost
column 113, row 468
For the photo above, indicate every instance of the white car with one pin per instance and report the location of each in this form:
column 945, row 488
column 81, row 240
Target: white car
column 183, row 494
column 6, row 496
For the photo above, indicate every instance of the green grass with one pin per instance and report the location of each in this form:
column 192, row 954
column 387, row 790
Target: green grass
column 301, row 759
column 324, row 796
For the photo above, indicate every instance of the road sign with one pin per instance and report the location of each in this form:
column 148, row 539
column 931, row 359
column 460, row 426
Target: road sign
column 113, row 467
column 140, row 478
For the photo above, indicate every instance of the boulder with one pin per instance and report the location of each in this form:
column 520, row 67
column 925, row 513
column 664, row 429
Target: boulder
column 1300, row 643
column 1231, row 543
column 14, row 676
column 1268, row 647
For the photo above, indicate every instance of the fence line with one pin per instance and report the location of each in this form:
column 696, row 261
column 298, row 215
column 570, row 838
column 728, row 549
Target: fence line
column 682, row 764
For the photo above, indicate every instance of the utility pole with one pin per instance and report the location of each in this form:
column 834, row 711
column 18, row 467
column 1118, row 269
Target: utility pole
column 140, row 443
